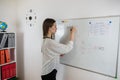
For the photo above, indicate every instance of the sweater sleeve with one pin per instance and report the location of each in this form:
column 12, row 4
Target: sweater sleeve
column 60, row 48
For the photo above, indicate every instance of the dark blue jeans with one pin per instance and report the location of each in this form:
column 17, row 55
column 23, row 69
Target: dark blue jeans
column 50, row 76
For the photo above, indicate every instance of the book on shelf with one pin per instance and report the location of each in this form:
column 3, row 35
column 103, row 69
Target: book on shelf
column 7, row 56
column 2, row 57
column 8, row 71
column 7, row 40
column 3, row 38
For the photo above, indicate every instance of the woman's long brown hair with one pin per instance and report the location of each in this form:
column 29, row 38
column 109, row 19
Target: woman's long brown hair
column 48, row 23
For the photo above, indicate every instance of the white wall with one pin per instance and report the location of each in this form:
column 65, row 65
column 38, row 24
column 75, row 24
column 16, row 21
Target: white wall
column 29, row 56
column 29, row 43
column 8, row 14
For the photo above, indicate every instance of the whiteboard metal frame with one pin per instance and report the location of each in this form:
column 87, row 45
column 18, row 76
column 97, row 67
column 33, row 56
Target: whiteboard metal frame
column 91, row 17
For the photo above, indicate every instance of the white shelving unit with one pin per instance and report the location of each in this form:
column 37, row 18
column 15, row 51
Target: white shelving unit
column 8, row 69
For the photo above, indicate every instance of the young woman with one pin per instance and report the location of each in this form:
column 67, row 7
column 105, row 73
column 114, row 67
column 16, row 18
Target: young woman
column 52, row 50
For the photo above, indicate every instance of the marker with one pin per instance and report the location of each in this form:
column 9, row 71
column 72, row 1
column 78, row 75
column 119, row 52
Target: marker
column 89, row 22
column 64, row 21
column 110, row 21
column 116, row 78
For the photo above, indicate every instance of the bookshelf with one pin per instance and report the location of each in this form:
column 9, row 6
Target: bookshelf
column 7, row 56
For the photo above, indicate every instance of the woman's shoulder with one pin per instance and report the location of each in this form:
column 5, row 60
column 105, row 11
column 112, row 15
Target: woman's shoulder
column 47, row 40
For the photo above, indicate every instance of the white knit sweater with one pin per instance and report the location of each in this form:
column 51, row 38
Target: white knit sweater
column 51, row 53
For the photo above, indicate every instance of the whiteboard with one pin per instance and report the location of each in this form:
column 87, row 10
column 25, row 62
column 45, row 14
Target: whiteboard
column 95, row 46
